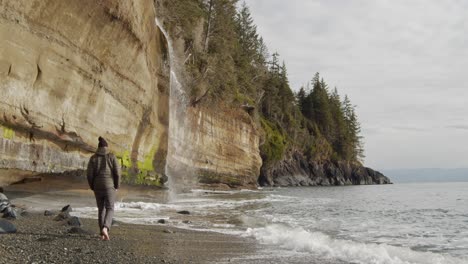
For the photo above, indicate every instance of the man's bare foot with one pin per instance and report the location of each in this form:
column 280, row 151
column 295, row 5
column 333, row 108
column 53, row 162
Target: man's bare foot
column 105, row 233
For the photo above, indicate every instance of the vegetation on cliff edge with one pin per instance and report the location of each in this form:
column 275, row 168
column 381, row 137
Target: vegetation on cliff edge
column 228, row 64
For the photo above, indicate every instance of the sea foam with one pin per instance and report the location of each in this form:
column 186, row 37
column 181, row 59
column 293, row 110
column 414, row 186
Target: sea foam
column 322, row 246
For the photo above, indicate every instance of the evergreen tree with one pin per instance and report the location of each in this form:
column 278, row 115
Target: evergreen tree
column 320, row 105
column 262, row 52
column 232, row 66
column 300, row 97
column 354, row 147
column 247, row 30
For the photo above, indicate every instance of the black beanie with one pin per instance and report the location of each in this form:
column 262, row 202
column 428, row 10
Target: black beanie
column 102, row 142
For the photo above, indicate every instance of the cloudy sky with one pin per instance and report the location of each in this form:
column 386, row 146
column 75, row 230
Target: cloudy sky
column 404, row 63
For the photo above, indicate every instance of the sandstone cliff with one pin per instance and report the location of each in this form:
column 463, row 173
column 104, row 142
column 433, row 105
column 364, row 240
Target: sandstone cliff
column 71, row 71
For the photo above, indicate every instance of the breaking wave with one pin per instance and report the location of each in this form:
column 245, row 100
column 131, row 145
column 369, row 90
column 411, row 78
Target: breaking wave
column 323, row 246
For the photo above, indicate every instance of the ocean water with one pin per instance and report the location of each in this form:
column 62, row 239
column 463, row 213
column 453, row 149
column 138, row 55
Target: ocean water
column 389, row 224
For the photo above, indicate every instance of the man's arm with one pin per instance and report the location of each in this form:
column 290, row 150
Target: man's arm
column 116, row 172
column 90, row 173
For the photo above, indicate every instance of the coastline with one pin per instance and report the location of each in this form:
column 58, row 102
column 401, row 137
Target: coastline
column 326, row 230
column 40, row 239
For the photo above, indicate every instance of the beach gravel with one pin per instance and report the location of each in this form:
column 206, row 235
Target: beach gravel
column 39, row 239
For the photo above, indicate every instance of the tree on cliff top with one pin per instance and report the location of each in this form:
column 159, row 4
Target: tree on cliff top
column 233, row 68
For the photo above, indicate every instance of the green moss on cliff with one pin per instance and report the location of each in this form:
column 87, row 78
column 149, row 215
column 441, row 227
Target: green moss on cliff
column 275, row 142
column 144, row 172
column 125, row 159
column 8, row 133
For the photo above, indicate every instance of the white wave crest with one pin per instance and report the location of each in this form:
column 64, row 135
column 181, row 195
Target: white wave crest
column 139, row 205
column 324, row 246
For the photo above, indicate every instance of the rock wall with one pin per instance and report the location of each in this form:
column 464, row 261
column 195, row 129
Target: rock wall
column 296, row 170
column 71, row 71
column 217, row 148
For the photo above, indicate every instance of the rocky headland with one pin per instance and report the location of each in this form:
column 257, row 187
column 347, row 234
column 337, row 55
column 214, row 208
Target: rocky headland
column 298, row 171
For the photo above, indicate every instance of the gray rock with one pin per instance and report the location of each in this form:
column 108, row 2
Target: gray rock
column 48, row 213
column 10, row 213
column 4, row 204
column 66, row 209
column 161, row 221
column 6, row 227
column 74, row 221
column 184, row 212
column 62, row 216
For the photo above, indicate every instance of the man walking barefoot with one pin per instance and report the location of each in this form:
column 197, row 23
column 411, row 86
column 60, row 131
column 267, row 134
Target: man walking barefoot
column 104, row 179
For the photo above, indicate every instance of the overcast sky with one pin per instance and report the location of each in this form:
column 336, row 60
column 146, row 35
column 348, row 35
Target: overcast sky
column 404, row 63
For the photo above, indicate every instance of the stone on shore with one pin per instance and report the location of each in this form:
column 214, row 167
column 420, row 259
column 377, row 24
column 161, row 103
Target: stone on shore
column 62, row 216
column 48, row 213
column 6, row 227
column 10, row 213
column 184, row 212
column 66, row 209
column 74, row 221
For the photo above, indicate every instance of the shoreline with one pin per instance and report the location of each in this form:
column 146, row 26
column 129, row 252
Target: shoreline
column 40, row 239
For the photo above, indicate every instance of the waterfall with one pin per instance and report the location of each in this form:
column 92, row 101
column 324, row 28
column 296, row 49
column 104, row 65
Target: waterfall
column 176, row 168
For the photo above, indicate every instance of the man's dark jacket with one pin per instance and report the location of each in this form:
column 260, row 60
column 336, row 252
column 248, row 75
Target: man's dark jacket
column 103, row 171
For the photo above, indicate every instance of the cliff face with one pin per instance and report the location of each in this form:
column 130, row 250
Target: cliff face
column 71, row 71
column 298, row 171
column 216, row 148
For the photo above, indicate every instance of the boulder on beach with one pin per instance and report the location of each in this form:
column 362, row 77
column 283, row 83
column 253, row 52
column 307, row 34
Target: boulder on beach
column 64, row 213
column 48, row 213
column 62, row 216
column 74, row 221
column 66, row 209
column 4, row 202
column 10, row 213
column 6, row 227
